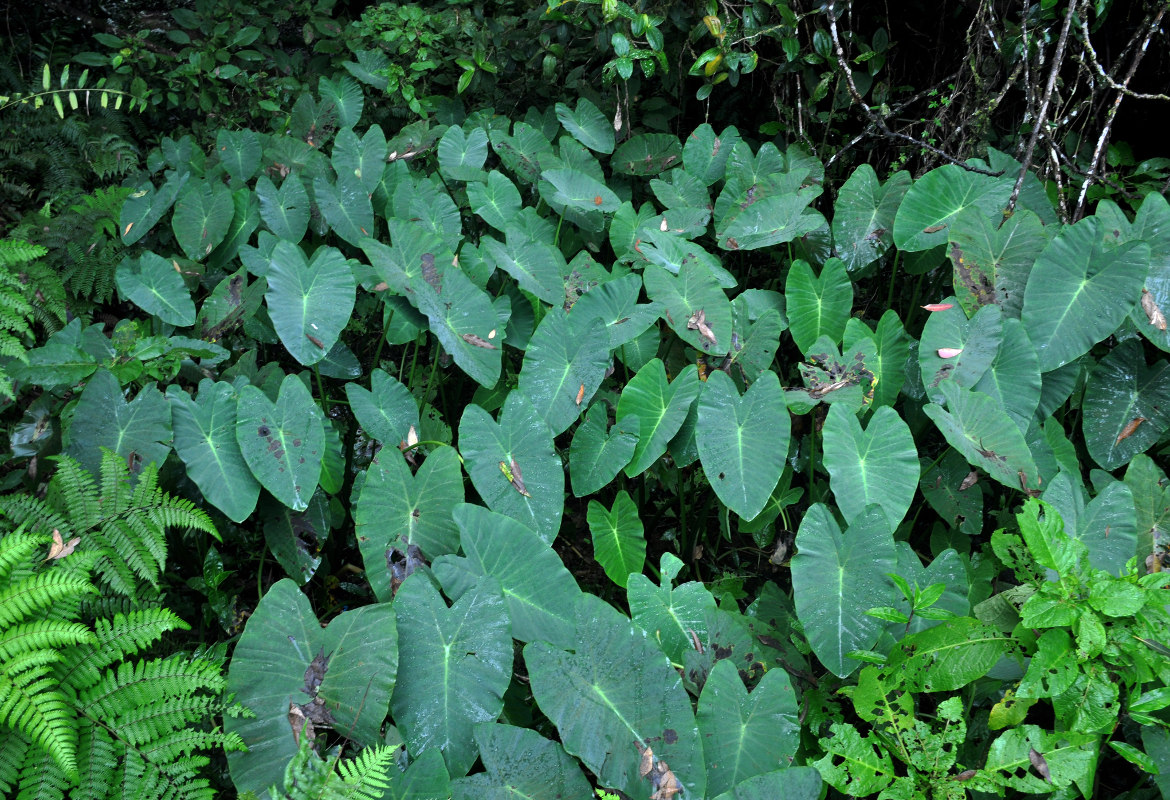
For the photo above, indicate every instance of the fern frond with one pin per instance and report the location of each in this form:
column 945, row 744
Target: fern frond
column 32, row 705
column 14, row 253
column 42, row 778
column 16, row 548
column 310, row 777
column 38, row 595
column 124, row 636
column 135, row 684
column 12, row 754
column 365, row 776
column 41, row 634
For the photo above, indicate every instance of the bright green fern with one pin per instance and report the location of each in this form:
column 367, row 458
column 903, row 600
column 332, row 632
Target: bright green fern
column 311, row 777
column 123, row 524
column 16, row 307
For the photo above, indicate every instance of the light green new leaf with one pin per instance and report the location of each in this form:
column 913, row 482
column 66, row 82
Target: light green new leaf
column 659, row 407
column 863, row 217
column 595, row 456
column 936, row 199
column 346, row 207
column 396, row 509
column 616, row 691
column 540, row 592
column 386, row 411
column 203, row 213
column 878, row 465
column 746, row 735
column 205, row 438
column 669, row 615
column 283, row 442
column 138, row 431
column 619, row 541
column 239, row 152
column 978, row 341
column 837, row 578
column 1080, row 289
column 155, row 285
column 513, row 465
column 453, row 667
column 309, row 302
column 461, row 155
column 496, row 201
column 991, row 261
column 519, row 764
column 817, row 306
column 564, row 363
column 743, row 441
column 693, row 304
column 587, row 125
column 284, row 657
column 286, row 210
column 1126, row 406
column 976, row 426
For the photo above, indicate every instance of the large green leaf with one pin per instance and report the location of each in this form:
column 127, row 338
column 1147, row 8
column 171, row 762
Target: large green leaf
column 462, row 155
column 285, row 658
column 397, row 509
column 512, row 464
column 1107, row 525
column 1014, row 375
column 619, row 541
column 1151, row 499
column 991, row 261
column 425, row 779
column 693, row 304
column 283, row 442
column 346, row 206
column 793, row 783
column 949, row 656
column 309, row 302
column 597, row 456
column 942, row 486
column 743, row 441
column 573, row 189
column 539, row 590
column 536, row 266
column 863, row 217
column 614, row 693
column 145, row 206
column 877, row 465
column 817, row 306
column 746, row 735
column 296, row 538
column 286, row 210
column 977, row 341
column 888, row 362
column 520, row 764
column 364, row 159
column 646, row 154
column 836, row 578
column 616, row 304
column 976, row 426
column 387, row 410
column 705, row 154
column 948, row 569
column 1126, row 406
column 154, row 285
column 936, row 199
column 205, row 438
column 1079, row 291
column 495, row 201
column 587, row 125
column 203, row 213
column 564, row 363
column 139, row 431
column 669, row 615
column 770, row 221
column 659, row 407
column 239, row 152
column 1152, row 226
column 453, row 667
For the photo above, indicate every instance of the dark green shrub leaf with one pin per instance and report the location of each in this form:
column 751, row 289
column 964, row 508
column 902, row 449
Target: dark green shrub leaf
column 145, row 206
column 595, row 456
column 863, row 217
column 139, row 431
column 947, row 657
column 296, row 538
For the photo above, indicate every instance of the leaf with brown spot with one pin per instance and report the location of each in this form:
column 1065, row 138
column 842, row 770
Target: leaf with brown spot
column 933, row 228
column 971, row 479
column 1153, row 312
column 1129, row 429
column 477, row 341
column 698, row 322
column 1040, row 763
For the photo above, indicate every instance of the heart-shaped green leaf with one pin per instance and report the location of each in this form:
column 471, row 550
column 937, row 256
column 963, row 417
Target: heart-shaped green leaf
column 614, row 691
column 203, row 212
column 296, row 538
column 205, row 438
column 1126, row 406
column 745, row 735
column 667, row 614
column 793, row 783
column 693, row 304
column 616, row 304
column 461, row 155
column 587, row 125
column 1013, row 378
column 496, row 201
column 573, row 189
column 145, row 206
column 646, row 154
column 453, row 667
column 1079, row 291
column 837, row 578
column 539, row 590
column 512, row 464
column 1107, row 525
column 239, row 152
column 139, row 431
column 364, row 159
column 286, row 210
column 877, row 465
column 387, row 410
column 565, row 362
column 154, row 285
column 991, row 258
column 817, row 306
column 309, row 301
column 888, row 362
column 936, row 199
column 595, row 456
column 743, row 441
column 397, row 509
column 659, row 407
column 981, row 430
column 285, row 658
column 977, row 341
column 346, row 207
column 863, row 217
column 536, row 266
column 283, row 442
column 619, row 541
column 705, row 154
column 519, row 763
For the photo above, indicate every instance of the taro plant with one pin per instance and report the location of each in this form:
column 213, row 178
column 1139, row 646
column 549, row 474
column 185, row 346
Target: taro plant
column 442, row 363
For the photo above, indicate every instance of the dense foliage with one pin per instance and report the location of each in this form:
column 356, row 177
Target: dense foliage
column 480, row 401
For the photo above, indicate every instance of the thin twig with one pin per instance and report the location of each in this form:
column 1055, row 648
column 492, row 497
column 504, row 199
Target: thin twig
column 1042, row 114
column 874, row 118
column 1109, row 78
